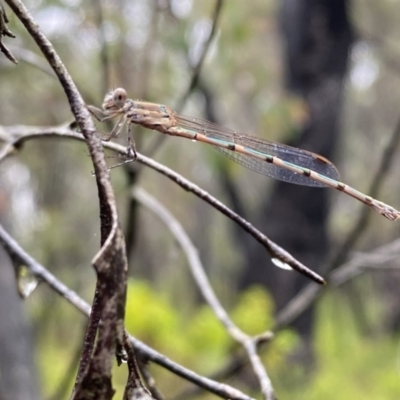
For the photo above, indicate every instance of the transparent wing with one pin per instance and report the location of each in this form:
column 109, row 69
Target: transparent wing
column 301, row 158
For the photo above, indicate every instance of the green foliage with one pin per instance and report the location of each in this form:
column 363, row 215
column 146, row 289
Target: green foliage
column 348, row 365
column 149, row 316
column 58, row 346
column 254, row 311
column 149, row 50
column 199, row 340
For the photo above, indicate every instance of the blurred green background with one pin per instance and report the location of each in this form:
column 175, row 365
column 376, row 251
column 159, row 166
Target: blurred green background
column 49, row 197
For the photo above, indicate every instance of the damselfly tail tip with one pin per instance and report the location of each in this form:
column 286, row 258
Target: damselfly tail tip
column 387, row 211
column 392, row 214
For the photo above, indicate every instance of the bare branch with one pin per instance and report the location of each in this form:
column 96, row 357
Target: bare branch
column 275, row 251
column 14, row 136
column 94, row 373
column 134, row 388
column 377, row 181
column 150, row 381
column 4, row 31
column 196, row 267
column 104, row 52
column 19, row 255
column 376, row 260
column 196, row 69
column 33, row 59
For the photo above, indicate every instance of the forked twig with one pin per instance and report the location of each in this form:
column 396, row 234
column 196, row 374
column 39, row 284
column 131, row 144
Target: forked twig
column 248, row 343
column 17, row 253
column 14, row 136
column 110, row 263
column 4, row 31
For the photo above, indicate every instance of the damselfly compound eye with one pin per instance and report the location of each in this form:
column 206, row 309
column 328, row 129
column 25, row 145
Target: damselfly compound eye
column 119, row 96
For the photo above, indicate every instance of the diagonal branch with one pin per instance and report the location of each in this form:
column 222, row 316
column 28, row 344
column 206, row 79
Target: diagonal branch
column 196, row 69
column 19, row 255
column 94, row 374
column 248, row 343
column 4, row 31
column 358, row 229
column 14, row 136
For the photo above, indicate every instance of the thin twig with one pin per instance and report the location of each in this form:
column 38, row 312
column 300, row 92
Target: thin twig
column 374, row 260
column 195, row 265
column 150, row 381
column 104, row 56
column 196, row 69
column 110, row 262
column 14, row 136
column 20, row 256
column 377, row 261
column 220, row 389
column 377, row 181
column 286, row 317
column 197, row 270
column 275, row 251
column 33, row 59
column 134, row 386
column 381, row 259
column 4, row 31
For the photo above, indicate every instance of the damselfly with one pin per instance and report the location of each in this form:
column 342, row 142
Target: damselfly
column 276, row 160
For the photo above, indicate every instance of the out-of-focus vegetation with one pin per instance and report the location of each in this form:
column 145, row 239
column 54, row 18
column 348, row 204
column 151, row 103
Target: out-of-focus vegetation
column 349, row 363
column 195, row 339
column 49, row 192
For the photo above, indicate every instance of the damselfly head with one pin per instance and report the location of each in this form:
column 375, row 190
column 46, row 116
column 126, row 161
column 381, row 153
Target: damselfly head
column 115, row 99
